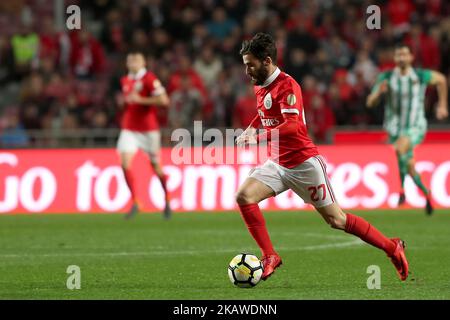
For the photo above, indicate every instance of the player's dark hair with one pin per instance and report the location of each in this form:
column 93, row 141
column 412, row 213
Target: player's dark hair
column 401, row 46
column 262, row 45
column 136, row 51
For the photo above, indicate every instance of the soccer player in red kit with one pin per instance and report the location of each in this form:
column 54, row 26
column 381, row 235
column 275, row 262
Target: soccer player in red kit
column 143, row 94
column 294, row 162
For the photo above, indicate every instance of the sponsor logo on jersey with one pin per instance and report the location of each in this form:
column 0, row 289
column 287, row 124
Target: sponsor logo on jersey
column 291, row 99
column 270, row 122
column 268, row 101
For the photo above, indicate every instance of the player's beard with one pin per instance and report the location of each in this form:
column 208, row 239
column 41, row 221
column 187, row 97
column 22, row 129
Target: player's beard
column 260, row 77
column 403, row 65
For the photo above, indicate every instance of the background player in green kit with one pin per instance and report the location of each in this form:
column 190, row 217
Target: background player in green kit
column 404, row 118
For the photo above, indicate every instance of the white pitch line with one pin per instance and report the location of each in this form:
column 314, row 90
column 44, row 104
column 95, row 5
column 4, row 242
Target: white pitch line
column 176, row 253
column 328, row 246
column 325, row 236
column 280, row 233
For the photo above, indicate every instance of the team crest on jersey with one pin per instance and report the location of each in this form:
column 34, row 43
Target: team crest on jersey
column 138, row 86
column 268, row 101
column 291, row 99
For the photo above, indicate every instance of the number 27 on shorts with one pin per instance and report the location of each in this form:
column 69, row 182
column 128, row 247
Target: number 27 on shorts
column 314, row 192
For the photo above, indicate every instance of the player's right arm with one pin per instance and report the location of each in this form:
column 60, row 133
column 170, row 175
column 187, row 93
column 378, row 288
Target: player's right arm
column 157, row 96
column 161, row 100
column 438, row 79
column 249, row 134
column 380, row 88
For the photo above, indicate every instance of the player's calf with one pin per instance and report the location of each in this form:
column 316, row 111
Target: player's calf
column 334, row 216
column 357, row 226
column 248, row 196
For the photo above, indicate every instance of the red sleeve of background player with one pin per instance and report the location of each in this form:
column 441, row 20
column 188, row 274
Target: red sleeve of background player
column 155, row 87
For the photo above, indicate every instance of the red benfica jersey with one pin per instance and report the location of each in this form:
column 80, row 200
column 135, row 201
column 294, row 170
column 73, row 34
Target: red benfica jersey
column 281, row 94
column 137, row 117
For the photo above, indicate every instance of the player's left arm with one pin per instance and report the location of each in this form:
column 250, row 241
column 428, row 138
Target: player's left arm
column 287, row 127
column 438, row 79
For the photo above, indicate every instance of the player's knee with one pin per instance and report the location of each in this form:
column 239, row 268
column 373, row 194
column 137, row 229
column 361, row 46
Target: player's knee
column 126, row 160
column 399, row 149
column 126, row 164
column 244, row 197
column 156, row 167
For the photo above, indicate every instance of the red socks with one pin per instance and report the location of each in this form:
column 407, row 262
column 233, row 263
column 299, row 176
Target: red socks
column 368, row 233
column 130, row 182
column 355, row 225
column 257, row 226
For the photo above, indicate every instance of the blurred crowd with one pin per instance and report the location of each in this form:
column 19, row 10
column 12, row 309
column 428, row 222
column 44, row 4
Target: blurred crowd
column 54, row 78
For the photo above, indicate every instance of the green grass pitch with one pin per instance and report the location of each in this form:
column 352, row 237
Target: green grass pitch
column 187, row 257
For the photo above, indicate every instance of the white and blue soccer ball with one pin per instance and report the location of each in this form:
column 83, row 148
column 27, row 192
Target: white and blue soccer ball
column 245, row 270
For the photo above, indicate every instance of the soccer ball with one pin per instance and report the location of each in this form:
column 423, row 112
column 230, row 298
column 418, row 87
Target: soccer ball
column 245, row 270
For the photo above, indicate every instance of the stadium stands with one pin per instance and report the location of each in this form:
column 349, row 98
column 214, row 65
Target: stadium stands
column 68, row 80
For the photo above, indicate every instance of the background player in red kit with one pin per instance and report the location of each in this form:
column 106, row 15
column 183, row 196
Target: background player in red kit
column 294, row 161
column 143, row 94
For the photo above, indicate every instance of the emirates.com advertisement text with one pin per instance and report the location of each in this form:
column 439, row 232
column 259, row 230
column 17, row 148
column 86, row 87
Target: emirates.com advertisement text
column 92, row 181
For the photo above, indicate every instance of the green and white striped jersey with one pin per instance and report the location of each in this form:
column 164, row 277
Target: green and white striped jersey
column 404, row 108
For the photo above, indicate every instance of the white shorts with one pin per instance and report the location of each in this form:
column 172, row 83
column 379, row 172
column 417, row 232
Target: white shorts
column 308, row 180
column 148, row 141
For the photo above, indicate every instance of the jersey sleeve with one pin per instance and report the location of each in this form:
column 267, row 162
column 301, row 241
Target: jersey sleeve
column 381, row 77
column 255, row 122
column 155, row 86
column 290, row 99
column 424, row 75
